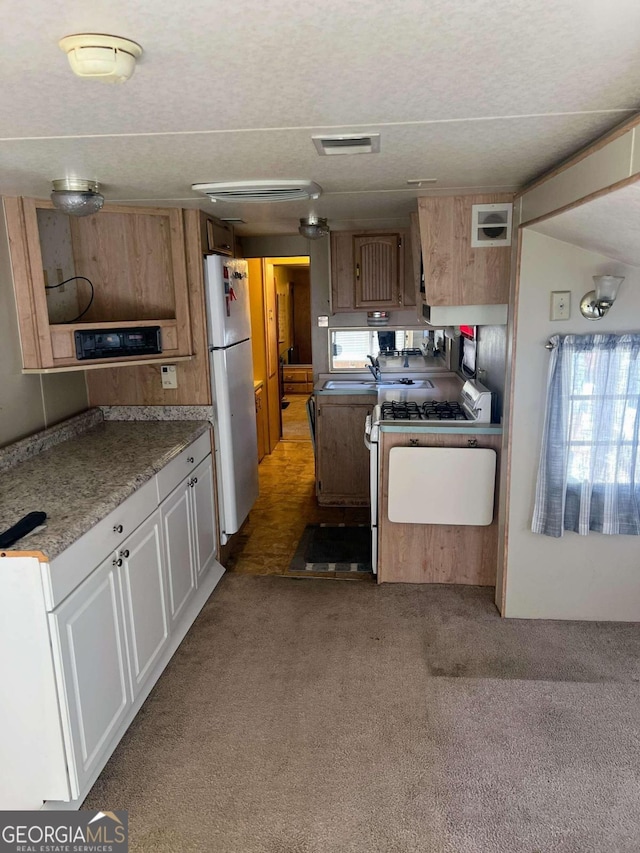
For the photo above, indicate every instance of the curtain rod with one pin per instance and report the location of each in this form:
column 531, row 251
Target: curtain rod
column 549, row 346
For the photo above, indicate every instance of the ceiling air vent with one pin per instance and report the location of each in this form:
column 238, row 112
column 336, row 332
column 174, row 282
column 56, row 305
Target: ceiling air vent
column 259, row 191
column 352, row 143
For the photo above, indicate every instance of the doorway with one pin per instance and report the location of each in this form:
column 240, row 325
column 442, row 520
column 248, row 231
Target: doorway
column 280, row 292
column 281, row 339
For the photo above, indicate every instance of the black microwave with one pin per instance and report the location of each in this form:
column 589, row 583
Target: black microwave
column 117, row 343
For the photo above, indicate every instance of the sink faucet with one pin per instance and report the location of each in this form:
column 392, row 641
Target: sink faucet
column 406, row 360
column 374, row 367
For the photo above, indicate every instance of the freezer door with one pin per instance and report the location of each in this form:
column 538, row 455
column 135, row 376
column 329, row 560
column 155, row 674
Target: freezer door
column 237, row 444
column 228, row 306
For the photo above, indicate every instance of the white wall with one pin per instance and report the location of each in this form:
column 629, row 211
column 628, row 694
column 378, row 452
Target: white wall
column 575, row 577
column 28, row 403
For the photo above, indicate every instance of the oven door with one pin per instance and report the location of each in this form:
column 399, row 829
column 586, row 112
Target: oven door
column 371, row 433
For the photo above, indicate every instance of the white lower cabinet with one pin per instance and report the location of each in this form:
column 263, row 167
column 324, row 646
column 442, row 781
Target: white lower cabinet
column 178, row 541
column 205, row 534
column 93, row 675
column 190, row 536
column 113, row 634
column 144, row 598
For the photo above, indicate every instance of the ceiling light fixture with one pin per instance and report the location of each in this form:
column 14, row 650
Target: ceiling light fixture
column 110, row 59
column 313, row 227
column 595, row 304
column 76, row 196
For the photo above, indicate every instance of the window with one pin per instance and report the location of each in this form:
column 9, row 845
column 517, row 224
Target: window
column 349, row 348
column 589, row 473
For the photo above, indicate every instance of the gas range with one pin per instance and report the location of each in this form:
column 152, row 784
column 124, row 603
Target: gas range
column 473, row 404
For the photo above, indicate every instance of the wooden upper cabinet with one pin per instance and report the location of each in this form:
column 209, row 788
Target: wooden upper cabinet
column 134, row 259
column 371, row 270
column 454, row 272
column 217, row 236
column 379, row 269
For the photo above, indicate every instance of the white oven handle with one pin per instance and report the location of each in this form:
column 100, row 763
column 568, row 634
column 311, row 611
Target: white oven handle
column 367, row 432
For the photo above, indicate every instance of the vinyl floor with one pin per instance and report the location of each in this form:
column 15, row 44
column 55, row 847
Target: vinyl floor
column 287, row 503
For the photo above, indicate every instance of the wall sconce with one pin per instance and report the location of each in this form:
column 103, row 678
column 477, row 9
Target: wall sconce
column 595, row 304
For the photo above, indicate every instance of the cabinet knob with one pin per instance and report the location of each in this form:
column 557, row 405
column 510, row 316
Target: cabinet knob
column 190, row 460
column 357, row 270
column 117, row 562
column 118, row 528
column 124, row 553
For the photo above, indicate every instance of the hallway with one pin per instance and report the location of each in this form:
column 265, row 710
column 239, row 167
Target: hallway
column 287, row 503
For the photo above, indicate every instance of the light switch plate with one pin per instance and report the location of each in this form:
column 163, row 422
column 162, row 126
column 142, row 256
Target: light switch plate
column 560, row 304
column 169, row 376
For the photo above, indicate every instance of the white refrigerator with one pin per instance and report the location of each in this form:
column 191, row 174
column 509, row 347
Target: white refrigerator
column 229, row 330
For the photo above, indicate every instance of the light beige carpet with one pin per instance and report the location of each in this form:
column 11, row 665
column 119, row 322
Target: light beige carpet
column 317, row 717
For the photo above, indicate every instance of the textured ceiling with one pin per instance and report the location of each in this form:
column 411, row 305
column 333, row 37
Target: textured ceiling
column 476, row 94
column 609, row 225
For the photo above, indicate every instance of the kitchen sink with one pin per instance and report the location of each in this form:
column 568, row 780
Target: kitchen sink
column 343, row 385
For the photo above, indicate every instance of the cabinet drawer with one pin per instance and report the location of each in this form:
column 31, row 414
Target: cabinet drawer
column 293, row 375
column 70, row 568
column 182, row 465
column 295, row 387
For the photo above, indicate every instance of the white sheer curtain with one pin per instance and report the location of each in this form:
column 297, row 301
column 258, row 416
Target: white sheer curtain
column 589, row 472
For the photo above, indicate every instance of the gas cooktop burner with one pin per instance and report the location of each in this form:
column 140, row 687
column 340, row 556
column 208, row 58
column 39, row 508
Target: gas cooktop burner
column 395, row 410
column 445, row 411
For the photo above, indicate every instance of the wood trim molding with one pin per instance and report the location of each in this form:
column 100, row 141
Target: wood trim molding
column 505, row 454
column 625, row 182
column 611, row 135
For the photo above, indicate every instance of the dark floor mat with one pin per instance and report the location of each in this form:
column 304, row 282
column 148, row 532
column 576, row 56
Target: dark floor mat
column 332, row 548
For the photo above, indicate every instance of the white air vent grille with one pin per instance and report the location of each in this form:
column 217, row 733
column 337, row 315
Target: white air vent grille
column 491, row 225
column 352, row 143
column 259, row 191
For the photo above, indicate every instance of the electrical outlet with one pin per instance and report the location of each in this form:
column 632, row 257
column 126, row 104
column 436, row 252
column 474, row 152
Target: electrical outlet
column 560, row 304
column 169, row 376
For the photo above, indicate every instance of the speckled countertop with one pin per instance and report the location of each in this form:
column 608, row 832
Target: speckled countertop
column 80, row 481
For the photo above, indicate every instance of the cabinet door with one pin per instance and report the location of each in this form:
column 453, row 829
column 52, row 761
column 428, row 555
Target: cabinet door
column 178, row 549
column 342, row 459
column 144, row 599
column 455, row 273
column 379, row 270
column 205, row 540
column 219, row 238
column 92, row 665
